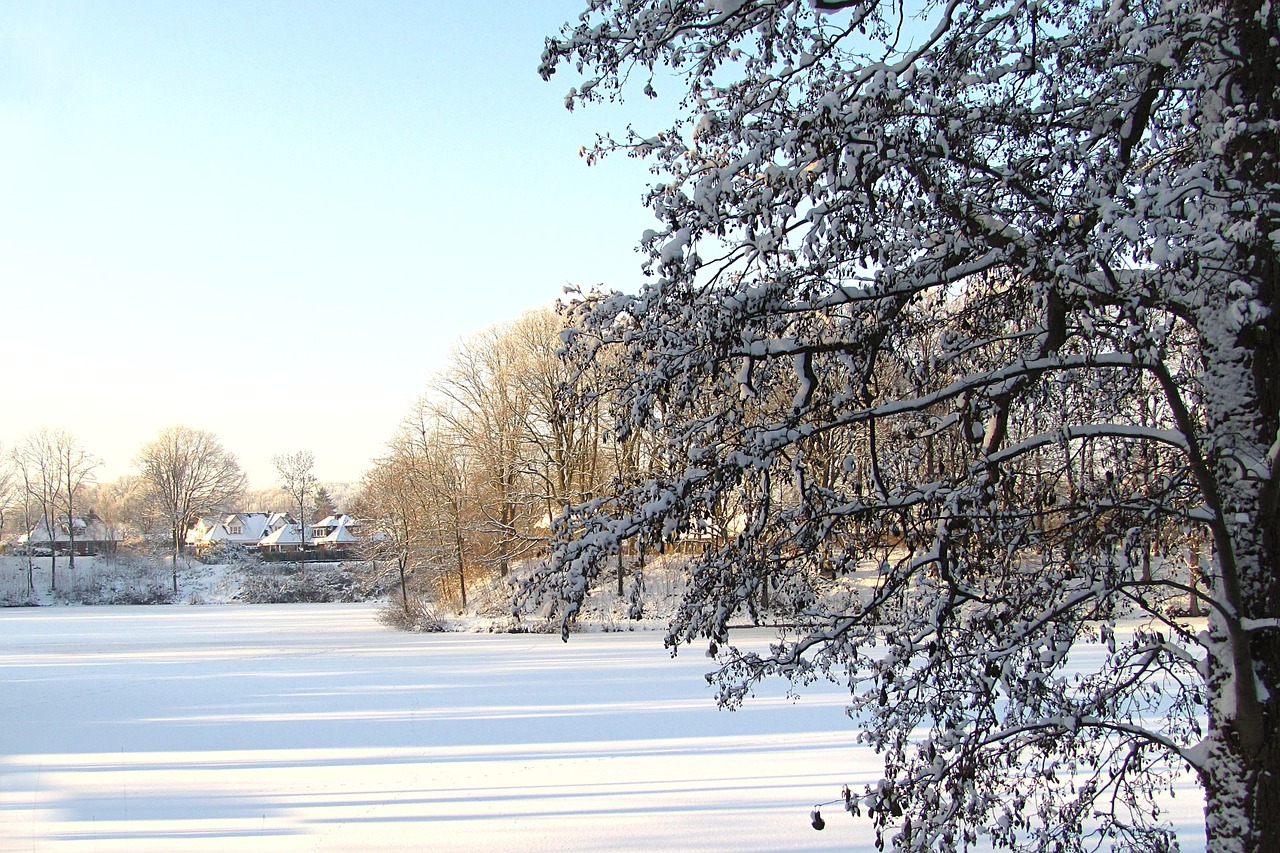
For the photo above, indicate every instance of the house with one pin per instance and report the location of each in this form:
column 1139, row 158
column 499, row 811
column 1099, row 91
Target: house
column 245, row 529
column 290, row 537
column 92, row 536
column 275, row 532
column 334, row 533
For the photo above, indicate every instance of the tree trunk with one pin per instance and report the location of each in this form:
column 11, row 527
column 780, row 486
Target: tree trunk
column 404, row 586
column 1266, row 799
column 1193, row 572
column 174, row 562
column 462, row 573
column 1241, row 771
column 302, row 537
column 1242, row 785
column 50, row 520
column 620, row 571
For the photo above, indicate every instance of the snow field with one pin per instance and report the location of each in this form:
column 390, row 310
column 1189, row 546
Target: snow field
column 313, row 727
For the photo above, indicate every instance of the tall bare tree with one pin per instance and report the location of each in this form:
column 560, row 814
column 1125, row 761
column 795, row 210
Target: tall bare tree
column 77, row 467
column 485, row 408
column 23, row 472
column 561, row 441
column 393, row 500
column 297, row 477
column 187, row 472
column 39, row 461
column 424, row 506
column 8, row 487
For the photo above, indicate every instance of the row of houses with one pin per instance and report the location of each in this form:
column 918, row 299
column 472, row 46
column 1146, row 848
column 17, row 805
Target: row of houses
column 273, row 531
column 88, row 534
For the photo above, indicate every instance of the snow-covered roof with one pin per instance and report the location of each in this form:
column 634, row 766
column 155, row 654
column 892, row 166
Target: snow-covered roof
column 254, row 525
column 88, row 527
column 340, row 535
column 215, row 534
column 287, row 535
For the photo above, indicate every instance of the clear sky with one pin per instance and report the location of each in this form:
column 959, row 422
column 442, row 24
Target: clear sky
column 273, row 220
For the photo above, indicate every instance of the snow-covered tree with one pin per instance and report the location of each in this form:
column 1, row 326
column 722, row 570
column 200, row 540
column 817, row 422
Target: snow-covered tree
column 974, row 303
column 187, row 472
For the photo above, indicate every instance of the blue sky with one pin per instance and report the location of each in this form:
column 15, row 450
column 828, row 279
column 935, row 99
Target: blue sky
column 273, row 220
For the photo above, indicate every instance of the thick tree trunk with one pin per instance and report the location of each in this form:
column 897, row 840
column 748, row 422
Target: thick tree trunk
column 1236, row 464
column 1241, row 775
column 1266, row 796
column 1242, row 786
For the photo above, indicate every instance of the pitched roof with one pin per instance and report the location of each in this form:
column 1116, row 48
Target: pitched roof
column 287, row 535
column 253, row 524
column 339, row 536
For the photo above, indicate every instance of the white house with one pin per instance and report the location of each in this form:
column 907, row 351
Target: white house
column 287, row 538
column 239, row 528
column 334, row 532
column 275, row 531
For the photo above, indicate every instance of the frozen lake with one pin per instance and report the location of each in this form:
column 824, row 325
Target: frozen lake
column 313, row 727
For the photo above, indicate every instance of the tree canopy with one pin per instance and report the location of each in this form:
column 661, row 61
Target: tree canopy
column 187, row 472
column 970, row 307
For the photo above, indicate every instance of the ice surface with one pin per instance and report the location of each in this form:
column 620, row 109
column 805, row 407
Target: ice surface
column 313, row 727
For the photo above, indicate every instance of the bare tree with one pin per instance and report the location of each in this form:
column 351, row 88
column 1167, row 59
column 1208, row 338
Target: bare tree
column 122, row 504
column 39, row 460
column 187, row 472
column 297, row 477
column 454, row 517
column 394, row 503
column 13, row 499
column 561, row 442
column 422, row 506
column 9, row 490
column 24, row 475
column 77, row 468
column 483, row 405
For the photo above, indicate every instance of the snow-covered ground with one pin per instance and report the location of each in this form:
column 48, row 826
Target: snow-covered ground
column 317, row 727
column 314, row 727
